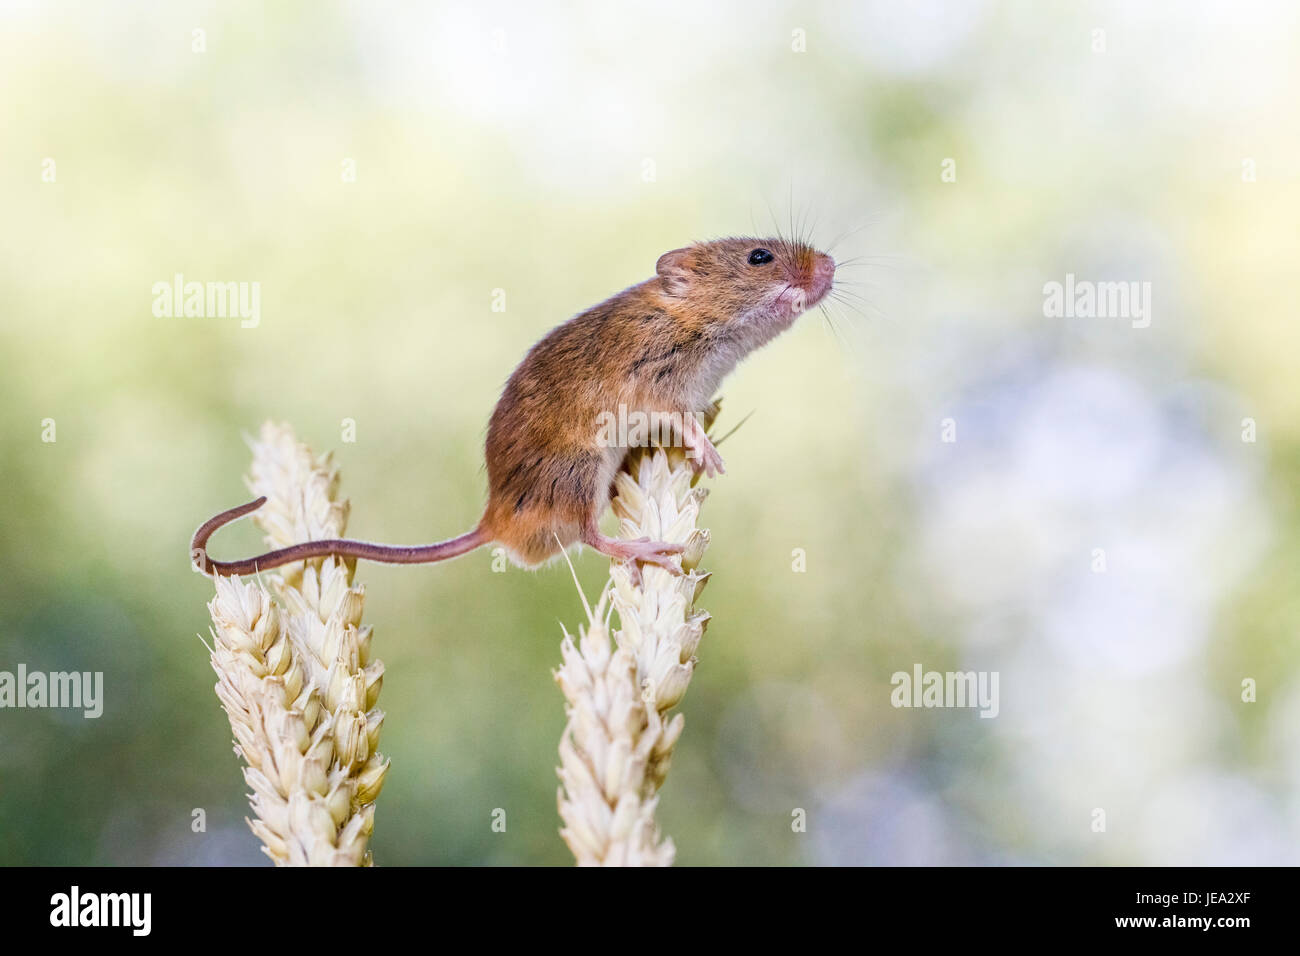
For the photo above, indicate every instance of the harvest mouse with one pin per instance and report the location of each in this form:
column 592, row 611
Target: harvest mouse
column 661, row 346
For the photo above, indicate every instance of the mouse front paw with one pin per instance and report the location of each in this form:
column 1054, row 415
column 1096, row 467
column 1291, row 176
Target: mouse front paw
column 702, row 454
column 706, row 461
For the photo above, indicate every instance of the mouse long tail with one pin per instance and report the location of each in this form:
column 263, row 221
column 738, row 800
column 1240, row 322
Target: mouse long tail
column 386, row 553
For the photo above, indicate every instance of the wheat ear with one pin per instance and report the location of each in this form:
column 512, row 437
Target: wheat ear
column 295, row 675
column 619, row 739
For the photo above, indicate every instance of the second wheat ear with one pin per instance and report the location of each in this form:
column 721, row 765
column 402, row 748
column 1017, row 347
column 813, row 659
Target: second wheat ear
column 296, row 675
column 659, row 349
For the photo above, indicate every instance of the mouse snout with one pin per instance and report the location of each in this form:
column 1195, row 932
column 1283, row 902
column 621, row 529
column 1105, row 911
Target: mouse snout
column 820, row 277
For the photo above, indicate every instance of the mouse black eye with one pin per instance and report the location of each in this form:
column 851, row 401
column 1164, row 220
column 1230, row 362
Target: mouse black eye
column 760, row 257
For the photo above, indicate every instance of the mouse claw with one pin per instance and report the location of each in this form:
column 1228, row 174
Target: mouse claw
column 633, row 572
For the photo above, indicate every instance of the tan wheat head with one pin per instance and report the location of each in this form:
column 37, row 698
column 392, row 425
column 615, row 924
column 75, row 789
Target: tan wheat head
column 295, row 674
column 619, row 739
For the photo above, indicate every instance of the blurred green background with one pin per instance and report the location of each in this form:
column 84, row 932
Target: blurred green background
column 554, row 152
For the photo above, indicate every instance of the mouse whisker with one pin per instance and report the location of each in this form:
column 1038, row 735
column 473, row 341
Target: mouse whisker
column 864, row 308
column 790, row 212
column 855, row 282
column 776, row 226
column 830, row 324
column 851, row 232
column 854, row 304
column 848, row 295
column 892, row 263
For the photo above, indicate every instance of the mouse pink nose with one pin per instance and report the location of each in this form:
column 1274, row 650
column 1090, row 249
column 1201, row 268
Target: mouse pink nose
column 823, row 274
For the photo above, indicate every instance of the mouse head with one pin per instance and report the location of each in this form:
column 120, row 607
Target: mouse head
column 760, row 282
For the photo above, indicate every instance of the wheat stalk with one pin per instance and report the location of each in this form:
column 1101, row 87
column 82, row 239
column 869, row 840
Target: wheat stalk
column 619, row 739
column 295, row 677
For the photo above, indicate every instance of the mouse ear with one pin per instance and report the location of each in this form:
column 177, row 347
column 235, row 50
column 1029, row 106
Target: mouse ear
column 673, row 270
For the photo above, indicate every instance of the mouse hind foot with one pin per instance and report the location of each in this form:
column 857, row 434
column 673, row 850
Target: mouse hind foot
column 639, row 551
